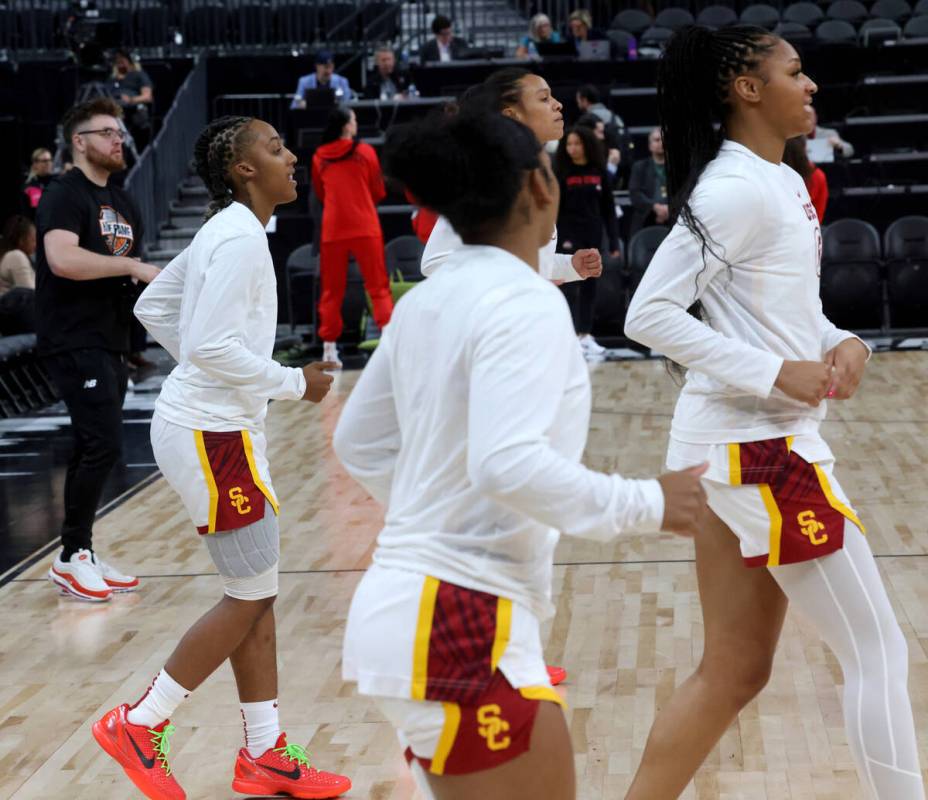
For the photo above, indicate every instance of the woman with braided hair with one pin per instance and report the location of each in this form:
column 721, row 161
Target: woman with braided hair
column 214, row 309
column 745, row 251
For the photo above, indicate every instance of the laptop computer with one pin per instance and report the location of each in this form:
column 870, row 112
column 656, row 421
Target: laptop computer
column 319, row 97
column 556, row 49
column 597, row 50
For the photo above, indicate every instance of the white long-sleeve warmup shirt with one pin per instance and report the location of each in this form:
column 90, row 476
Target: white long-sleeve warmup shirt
column 214, row 309
column 468, row 424
column 444, row 240
column 759, row 290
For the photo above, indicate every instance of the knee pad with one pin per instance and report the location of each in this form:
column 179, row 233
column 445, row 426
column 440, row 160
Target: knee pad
column 254, row 587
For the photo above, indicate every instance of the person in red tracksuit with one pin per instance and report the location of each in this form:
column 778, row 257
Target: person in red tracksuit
column 348, row 182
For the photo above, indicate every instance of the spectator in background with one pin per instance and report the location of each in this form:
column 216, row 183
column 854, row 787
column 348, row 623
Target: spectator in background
column 589, row 101
column 133, row 89
column 797, row 157
column 348, row 182
column 325, row 77
column 612, row 155
column 830, row 137
column 445, row 46
column 89, row 239
column 17, row 277
column 540, row 31
column 40, row 174
column 587, row 209
column 648, row 187
column 580, row 23
column 386, row 82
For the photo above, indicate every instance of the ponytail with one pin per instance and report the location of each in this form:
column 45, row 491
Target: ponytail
column 694, row 81
column 469, row 168
column 221, row 144
column 502, row 89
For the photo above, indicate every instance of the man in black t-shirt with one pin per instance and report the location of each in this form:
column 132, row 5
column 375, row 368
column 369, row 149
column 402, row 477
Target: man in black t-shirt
column 89, row 239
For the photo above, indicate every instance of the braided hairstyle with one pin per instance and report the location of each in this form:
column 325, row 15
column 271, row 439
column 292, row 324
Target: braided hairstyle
column 694, row 81
column 222, row 143
column 502, row 89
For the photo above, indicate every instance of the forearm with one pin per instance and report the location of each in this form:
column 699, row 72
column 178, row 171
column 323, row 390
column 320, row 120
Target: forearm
column 535, row 480
column 77, row 264
column 230, row 362
column 640, row 200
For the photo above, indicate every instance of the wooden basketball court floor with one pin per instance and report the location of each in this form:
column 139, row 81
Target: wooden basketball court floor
column 627, row 627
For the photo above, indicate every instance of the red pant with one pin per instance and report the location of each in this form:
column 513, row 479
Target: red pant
column 368, row 252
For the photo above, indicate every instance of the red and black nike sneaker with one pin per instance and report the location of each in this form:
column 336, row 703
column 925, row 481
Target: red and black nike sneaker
column 141, row 752
column 285, row 769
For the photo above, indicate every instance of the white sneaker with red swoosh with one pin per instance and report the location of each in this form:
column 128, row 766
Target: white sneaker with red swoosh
column 114, row 578
column 79, row 577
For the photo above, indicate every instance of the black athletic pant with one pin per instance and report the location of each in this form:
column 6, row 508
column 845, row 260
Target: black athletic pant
column 92, row 383
column 581, row 297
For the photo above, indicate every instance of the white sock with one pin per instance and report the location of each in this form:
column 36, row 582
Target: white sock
column 262, row 726
column 158, row 703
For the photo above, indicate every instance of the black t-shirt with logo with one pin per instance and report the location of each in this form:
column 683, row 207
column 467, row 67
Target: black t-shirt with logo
column 96, row 313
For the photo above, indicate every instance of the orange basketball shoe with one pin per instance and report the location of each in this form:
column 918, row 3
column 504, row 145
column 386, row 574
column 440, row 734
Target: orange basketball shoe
column 285, row 769
column 141, row 752
column 557, row 675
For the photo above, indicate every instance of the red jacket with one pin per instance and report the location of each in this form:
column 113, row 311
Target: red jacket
column 348, row 182
column 818, row 191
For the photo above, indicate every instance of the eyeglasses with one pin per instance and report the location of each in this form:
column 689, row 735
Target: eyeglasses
column 43, row 160
column 106, row 133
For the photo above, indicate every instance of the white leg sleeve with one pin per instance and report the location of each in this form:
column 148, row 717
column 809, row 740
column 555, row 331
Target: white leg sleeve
column 844, row 597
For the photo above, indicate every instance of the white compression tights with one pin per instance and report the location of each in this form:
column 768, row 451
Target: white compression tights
column 844, row 597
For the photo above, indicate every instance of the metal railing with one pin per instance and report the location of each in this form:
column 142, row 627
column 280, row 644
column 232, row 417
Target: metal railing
column 154, row 179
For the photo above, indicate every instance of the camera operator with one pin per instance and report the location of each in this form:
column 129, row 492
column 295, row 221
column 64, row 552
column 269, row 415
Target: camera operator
column 133, row 89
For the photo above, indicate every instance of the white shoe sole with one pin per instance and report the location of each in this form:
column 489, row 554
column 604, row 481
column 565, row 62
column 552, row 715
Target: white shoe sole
column 65, row 588
column 123, row 589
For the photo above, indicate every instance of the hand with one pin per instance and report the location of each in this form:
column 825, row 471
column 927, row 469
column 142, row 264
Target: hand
column 126, row 98
column 615, row 157
column 661, row 213
column 848, row 359
column 143, row 272
column 587, row 263
column 615, row 254
column 806, row 381
column 318, row 382
column 684, row 500
column 835, row 142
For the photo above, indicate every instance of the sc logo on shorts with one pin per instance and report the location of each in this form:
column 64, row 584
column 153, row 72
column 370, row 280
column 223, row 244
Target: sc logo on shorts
column 492, row 726
column 239, row 500
column 811, row 526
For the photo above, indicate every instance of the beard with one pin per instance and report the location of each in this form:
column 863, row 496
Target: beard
column 105, row 161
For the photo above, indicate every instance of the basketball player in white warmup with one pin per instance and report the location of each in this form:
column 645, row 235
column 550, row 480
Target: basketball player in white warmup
column 746, row 246
column 470, row 432
column 214, row 309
